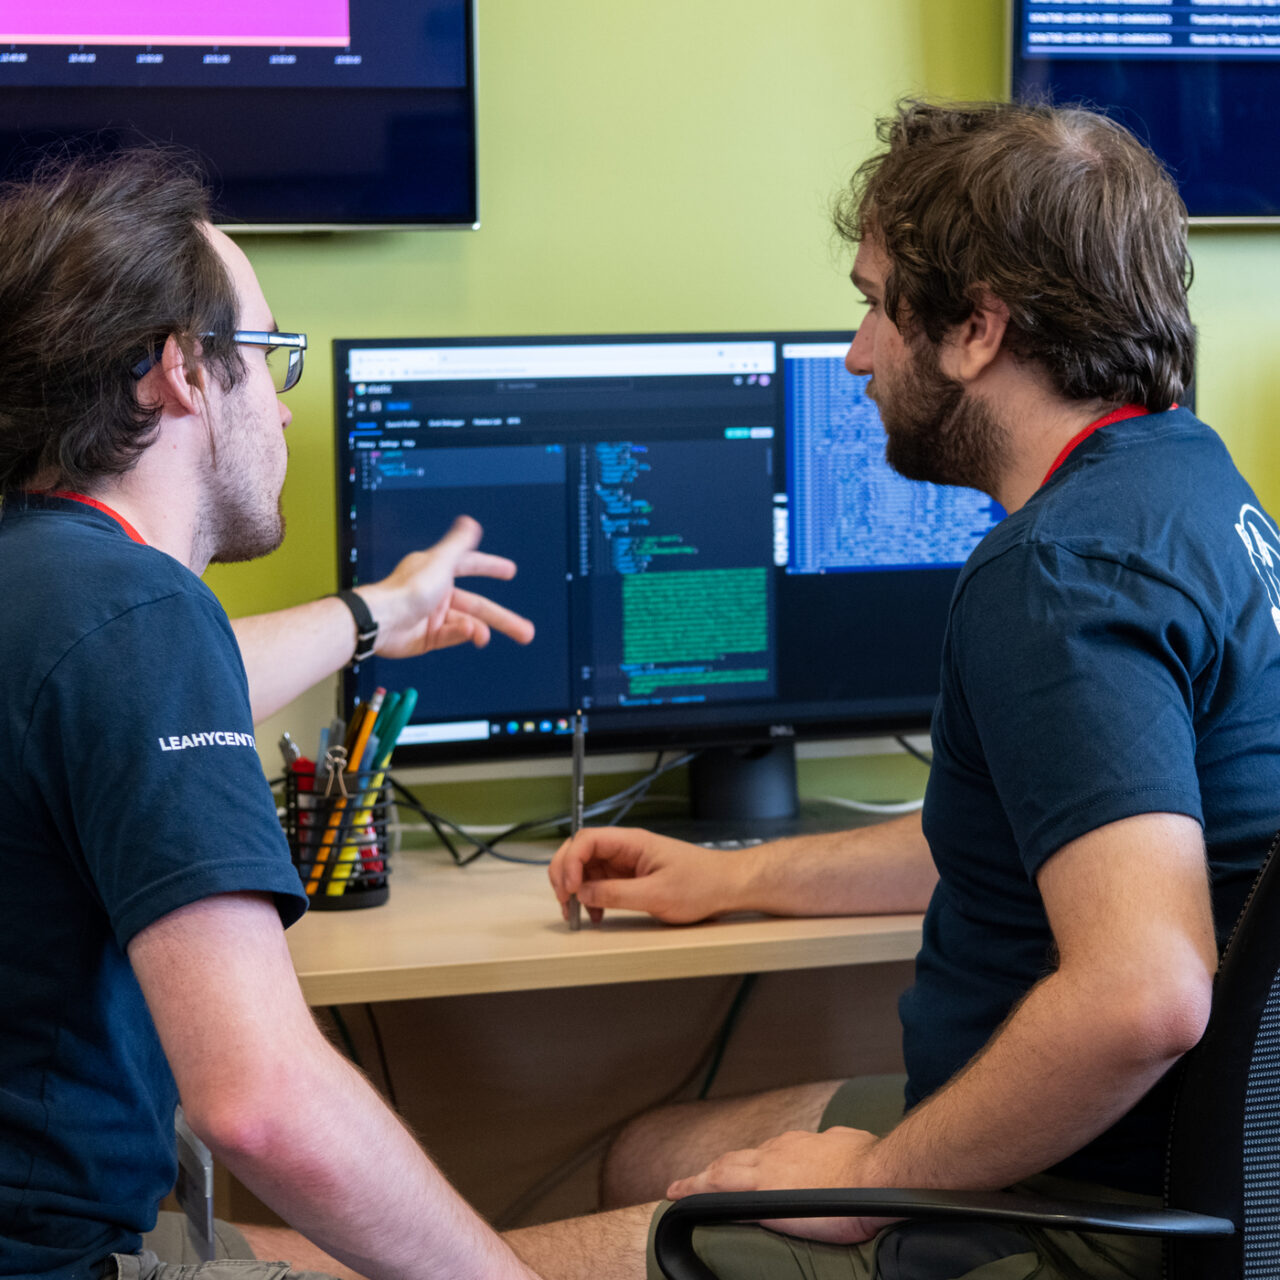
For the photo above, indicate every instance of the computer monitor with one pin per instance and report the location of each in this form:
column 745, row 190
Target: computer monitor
column 1196, row 81
column 331, row 114
column 709, row 540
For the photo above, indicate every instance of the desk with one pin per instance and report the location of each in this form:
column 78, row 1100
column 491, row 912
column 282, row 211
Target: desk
column 556, row 1036
column 493, row 926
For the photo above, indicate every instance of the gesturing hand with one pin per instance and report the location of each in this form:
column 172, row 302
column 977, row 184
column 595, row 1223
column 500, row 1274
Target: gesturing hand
column 419, row 607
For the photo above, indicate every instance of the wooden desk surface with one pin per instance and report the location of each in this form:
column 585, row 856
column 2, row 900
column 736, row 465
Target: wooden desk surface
column 494, row 926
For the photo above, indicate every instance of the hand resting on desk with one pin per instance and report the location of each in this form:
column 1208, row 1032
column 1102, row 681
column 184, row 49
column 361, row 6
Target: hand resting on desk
column 636, row 870
column 885, row 869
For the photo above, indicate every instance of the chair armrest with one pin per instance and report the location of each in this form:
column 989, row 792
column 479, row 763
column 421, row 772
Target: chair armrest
column 673, row 1240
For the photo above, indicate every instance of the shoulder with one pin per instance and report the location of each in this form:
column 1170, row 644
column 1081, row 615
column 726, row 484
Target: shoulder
column 1155, row 498
column 95, row 611
column 74, row 577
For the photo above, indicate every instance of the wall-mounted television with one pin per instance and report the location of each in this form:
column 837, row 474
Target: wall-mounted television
column 709, row 540
column 327, row 115
column 1199, row 81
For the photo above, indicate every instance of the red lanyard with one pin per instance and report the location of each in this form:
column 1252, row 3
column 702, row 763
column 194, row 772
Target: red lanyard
column 1116, row 415
column 99, row 506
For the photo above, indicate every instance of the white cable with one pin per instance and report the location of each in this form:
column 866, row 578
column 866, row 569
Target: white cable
column 870, row 806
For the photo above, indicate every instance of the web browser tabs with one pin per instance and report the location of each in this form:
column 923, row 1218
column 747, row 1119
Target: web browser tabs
column 603, row 360
column 815, row 350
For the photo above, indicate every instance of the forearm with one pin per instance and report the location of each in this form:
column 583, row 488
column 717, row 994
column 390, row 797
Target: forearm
column 875, row 870
column 288, row 651
column 285, row 1113
column 1066, row 1065
column 339, row 1168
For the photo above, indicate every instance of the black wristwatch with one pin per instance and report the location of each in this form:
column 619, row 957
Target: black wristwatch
column 366, row 627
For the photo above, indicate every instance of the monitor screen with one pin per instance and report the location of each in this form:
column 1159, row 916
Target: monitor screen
column 709, row 540
column 336, row 113
column 1196, row 81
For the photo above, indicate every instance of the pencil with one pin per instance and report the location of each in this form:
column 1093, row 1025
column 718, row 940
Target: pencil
column 357, row 739
column 575, row 812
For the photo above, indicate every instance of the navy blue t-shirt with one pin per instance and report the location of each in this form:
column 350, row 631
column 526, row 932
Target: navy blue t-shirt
column 1113, row 649
column 130, row 786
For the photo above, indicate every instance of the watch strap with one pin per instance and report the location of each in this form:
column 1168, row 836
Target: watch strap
column 366, row 627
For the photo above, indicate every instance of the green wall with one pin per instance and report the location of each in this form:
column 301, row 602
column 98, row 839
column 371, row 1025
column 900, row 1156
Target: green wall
column 668, row 167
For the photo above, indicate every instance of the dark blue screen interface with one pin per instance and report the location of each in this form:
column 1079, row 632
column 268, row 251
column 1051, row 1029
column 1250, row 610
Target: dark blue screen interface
column 1197, row 81
column 708, row 536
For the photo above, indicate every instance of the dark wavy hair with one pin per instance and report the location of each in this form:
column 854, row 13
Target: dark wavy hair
column 101, row 259
column 1061, row 214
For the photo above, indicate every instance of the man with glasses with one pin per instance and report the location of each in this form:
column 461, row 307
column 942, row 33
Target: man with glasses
column 147, row 882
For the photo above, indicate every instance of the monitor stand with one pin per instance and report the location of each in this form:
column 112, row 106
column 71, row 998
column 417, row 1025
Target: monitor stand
column 750, row 794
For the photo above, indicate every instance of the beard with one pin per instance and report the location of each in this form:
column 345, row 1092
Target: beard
column 245, row 534
column 241, row 517
column 934, row 430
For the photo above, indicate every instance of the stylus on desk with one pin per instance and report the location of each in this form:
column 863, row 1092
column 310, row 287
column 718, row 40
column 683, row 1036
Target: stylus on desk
column 575, row 811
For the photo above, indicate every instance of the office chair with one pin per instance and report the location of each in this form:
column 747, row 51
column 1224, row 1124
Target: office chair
column 1223, row 1160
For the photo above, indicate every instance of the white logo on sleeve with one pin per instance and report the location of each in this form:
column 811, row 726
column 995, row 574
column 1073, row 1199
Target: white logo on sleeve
column 1263, row 545
column 216, row 738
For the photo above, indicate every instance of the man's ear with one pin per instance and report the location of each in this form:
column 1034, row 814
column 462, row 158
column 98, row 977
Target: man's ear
column 178, row 380
column 972, row 347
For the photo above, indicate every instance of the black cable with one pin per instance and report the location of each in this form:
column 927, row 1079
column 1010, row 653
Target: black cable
column 633, row 793
column 714, row 1051
column 439, row 825
column 901, row 740
column 344, row 1034
column 642, row 787
column 726, row 1031
column 382, row 1057
column 621, row 801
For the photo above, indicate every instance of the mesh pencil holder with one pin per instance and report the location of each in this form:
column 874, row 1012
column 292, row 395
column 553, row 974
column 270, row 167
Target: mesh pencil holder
column 337, row 831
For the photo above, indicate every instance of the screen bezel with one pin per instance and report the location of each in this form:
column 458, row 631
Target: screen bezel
column 731, row 727
column 138, row 116
column 1213, row 220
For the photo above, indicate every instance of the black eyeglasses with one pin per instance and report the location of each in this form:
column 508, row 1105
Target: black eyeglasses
column 284, row 355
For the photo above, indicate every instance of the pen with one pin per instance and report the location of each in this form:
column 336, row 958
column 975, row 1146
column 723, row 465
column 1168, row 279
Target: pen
column 390, row 706
column 358, row 736
column 361, row 729
column 394, row 727
column 390, row 727
column 359, row 732
column 575, row 815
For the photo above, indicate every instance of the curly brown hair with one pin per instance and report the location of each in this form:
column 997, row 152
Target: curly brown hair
column 1061, row 214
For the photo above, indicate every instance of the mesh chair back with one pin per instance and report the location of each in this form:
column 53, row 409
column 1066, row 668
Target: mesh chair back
column 1224, row 1144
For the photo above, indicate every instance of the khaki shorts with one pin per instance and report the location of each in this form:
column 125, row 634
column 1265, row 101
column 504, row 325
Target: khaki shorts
column 167, row 1254
column 927, row 1251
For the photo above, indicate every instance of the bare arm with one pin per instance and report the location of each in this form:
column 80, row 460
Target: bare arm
column 288, row 651
column 1130, row 910
column 289, row 1117
column 874, row 870
column 418, row 607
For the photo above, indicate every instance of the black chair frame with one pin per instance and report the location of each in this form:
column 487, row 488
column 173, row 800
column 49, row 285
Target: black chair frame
column 1223, row 1153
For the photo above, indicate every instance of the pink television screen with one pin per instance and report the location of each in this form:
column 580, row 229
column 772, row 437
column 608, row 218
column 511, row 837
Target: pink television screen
column 333, row 113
